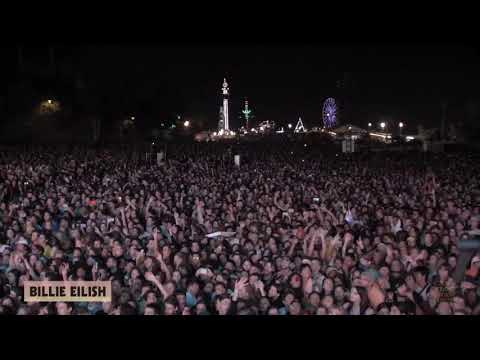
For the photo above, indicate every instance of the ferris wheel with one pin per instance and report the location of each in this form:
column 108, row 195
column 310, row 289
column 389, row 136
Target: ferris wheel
column 329, row 113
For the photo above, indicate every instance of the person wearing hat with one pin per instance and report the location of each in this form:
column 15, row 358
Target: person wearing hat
column 22, row 246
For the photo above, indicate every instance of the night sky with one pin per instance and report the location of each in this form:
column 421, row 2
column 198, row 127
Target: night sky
column 400, row 82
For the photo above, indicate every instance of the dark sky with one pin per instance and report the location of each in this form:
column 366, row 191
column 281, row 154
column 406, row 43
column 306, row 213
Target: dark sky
column 404, row 82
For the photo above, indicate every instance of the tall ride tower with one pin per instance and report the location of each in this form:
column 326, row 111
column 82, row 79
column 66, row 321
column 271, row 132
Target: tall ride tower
column 246, row 112
column 225, row 93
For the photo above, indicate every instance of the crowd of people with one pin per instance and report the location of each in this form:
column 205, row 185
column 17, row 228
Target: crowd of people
column 291, row 231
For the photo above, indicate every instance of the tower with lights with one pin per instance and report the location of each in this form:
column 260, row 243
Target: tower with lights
column 246, row 113
column 225, row 93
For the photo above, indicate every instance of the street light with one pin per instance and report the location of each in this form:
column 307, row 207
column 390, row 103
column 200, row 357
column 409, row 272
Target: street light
column 369, row 125
column 400, row 125
column 186, row 123
column 49, row 101
column 382, row 125
column 290, row 126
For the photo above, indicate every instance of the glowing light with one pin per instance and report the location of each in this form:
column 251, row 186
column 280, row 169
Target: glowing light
column 400, row 125
column 349, row 128
column 382, row 125
column 369, row 124
column 215, row 133
column 49, row 101
column 304, row 145
column 290, row 126
column 378, row 135
column 410, row 138
column 133, row 118
column 186, row 123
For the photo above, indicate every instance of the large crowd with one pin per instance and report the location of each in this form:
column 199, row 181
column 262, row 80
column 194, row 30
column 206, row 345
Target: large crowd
column 291, row 231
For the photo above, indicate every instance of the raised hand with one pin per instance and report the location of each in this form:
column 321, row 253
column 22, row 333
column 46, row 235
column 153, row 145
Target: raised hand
column 64, row 269
column 159, row 257
column 150, row 277
column 240, row 284
column 259, row 285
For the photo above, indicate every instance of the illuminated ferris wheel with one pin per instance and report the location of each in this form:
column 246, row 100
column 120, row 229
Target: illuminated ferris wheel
column 329, row 113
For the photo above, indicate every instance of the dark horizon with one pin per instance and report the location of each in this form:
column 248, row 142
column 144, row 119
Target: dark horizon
column 400, row 82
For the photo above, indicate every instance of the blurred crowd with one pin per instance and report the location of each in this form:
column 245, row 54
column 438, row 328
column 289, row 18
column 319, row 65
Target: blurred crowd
column 291, row 231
